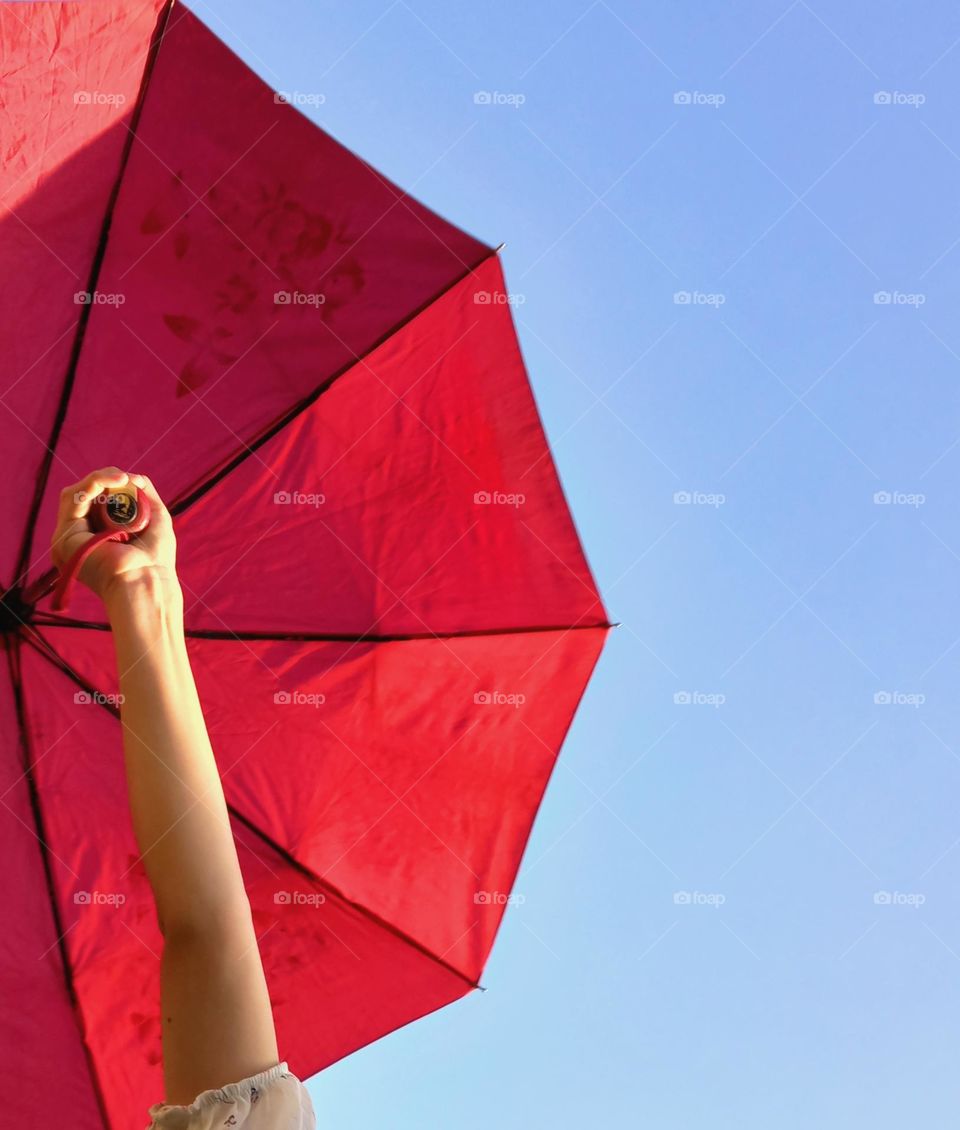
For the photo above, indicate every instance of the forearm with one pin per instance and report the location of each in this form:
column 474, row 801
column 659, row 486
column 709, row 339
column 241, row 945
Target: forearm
column 217, row 1020
column 176, row 798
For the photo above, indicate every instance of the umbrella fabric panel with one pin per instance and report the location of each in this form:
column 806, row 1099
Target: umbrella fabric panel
column 338, row 978
column 62, row 134
column 255, row 256
column 416, row 495
column 41, row 1029
column 405, row 775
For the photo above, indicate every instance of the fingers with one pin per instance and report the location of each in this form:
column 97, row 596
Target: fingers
column 159, row 515
column 141, row 482
column 76, row 500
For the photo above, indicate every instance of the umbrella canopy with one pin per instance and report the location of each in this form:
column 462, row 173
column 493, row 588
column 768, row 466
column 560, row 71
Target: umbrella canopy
column 390, row 616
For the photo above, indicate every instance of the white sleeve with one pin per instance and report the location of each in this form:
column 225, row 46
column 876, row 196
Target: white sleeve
column 273, row 1100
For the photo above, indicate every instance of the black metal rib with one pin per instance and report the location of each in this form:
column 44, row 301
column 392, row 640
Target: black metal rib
column 43, row 647
column 51, row 620
column 13, row 655
column 43, row 474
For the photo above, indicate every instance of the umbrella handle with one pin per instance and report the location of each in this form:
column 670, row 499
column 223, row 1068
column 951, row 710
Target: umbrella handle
column 117, row 517
column 61, row 583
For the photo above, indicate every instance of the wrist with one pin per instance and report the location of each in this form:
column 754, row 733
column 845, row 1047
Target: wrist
column 151, row 595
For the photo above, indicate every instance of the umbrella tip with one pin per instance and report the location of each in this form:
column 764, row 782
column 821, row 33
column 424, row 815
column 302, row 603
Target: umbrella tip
column 499, row 248
column 616, row 624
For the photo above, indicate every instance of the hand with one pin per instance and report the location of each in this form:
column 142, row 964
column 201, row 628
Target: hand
column 114, row 565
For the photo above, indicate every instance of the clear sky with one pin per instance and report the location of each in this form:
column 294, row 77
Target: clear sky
column 741, row 893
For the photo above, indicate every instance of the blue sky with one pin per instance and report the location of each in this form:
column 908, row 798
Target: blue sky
column 740, row 895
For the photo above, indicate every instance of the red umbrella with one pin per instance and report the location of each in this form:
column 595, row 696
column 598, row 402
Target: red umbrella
column 390, row 616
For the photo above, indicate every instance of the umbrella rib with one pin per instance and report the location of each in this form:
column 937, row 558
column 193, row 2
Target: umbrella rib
column 43, row 474
column 40, row 834
column 53, row 621
column 179, row 505
column 373, row 637
column 50, row 653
